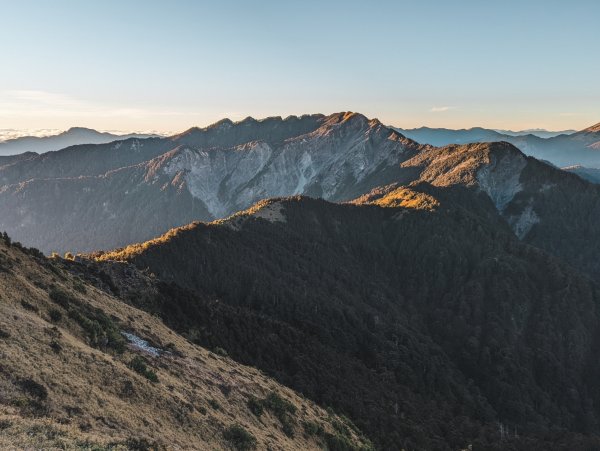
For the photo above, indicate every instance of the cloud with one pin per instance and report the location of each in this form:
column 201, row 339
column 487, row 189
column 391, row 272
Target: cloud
column 34, row 103
column 441, row 109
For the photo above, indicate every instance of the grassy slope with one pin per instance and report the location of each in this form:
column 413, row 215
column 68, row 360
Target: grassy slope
column 91, row 396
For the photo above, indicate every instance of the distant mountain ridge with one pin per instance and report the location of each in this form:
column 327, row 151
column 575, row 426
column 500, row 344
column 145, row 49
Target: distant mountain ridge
column 576, row 148
column 70, row 137
column 539, row 132
column 589, row 174
column 91, row 197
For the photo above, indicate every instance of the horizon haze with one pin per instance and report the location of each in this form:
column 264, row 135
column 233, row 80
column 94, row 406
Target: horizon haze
column 148, row 66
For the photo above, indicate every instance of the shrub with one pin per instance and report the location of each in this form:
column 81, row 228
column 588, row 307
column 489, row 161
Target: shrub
column 225, row 389
column 141, row 444
column 27, row 306
column 61, row 297
column 239, row 438
column 340, row 428
column 214, row 404
column 220, row 351
column 127, row 390
column 138, row 364
column 34, row 389
column 278, row 405
column 55, row 315
column 79, row 286
column 339, row 443
column 313, row 429
column 281, row 408
column 56, row 347
column 100, row 328
column 4, row 335
column 34, row 252
column 256, row 406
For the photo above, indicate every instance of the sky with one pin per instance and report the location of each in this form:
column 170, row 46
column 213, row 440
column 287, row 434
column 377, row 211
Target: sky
column 134, row 65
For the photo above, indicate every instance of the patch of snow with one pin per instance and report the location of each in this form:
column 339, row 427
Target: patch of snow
column 141, row 344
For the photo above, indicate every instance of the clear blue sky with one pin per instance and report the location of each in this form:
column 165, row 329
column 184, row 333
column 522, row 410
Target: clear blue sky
column 168, row 65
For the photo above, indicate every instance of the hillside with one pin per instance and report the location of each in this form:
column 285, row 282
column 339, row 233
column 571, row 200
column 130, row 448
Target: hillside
column 426, row 322
column 82, row 370
column 543, row 205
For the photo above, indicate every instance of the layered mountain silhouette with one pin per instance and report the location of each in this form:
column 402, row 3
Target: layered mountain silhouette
column 416, row 311
column 540, row 132
column 565, row 149
column 71, row 137
column 589, row 174
column 439, row 297
column 91, row 197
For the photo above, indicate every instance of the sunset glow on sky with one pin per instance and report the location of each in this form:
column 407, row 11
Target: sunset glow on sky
column 151, row 65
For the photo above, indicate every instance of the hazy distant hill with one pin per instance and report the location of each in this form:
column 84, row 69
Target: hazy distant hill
column 540, row 132
column 589, row 174
column 574, row 148
column 71, row 137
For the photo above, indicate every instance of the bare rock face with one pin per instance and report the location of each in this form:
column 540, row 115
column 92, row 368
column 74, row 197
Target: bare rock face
column 500, row 179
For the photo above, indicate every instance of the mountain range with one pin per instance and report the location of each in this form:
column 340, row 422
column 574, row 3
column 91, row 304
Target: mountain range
column 539, row 132
column 437, row 297
column 568, row 149
column 70, row 137
column 92, row 197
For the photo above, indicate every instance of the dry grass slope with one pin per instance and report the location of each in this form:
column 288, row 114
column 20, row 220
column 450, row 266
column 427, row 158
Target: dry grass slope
column 70, row 380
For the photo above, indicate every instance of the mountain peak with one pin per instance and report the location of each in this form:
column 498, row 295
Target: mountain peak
column 346, row 116
column 223, row 124
column 81, row 129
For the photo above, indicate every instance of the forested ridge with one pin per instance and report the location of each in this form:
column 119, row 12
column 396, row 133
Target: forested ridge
column 431, row 327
